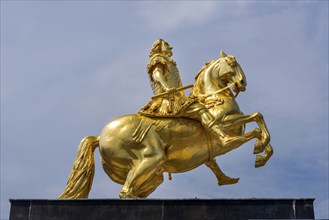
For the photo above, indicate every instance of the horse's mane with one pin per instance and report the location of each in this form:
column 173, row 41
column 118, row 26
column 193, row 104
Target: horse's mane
column 195, row 90
column 207, row 64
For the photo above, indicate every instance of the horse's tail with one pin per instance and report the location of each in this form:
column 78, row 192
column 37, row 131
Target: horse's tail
column 82, row 173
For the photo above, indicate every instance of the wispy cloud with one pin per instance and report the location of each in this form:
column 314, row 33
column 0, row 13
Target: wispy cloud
column 170, row 16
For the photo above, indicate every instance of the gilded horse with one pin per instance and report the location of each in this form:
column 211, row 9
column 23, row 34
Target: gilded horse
column 125, row 143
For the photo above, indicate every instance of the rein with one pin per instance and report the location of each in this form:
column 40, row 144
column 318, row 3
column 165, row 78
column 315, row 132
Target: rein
column 220, row 90
column 203, row 96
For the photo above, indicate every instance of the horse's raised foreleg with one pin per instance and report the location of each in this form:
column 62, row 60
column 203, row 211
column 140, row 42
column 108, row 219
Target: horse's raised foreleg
column 246, row 137
column 261, row 160
column 237, row 120
column 221, row 177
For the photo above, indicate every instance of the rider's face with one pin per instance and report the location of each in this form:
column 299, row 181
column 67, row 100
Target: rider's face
column 166, row 49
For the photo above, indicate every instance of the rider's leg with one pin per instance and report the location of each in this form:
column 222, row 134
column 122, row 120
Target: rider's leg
column 199, row 112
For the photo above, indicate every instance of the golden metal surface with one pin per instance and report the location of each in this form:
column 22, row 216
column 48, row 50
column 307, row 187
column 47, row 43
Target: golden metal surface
column 173, row 133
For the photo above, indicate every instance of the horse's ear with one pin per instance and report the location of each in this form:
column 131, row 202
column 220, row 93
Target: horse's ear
column 223, row 54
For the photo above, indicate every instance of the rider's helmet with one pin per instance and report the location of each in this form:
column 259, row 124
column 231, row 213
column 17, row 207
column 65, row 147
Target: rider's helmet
column 162, row 47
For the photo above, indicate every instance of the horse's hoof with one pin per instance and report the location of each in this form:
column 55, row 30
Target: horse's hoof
column 258, row 133
column 122, row 195
column 126, row 195
column 228, row 180
column 260, row 161
column 259, row 147
column 269, row 151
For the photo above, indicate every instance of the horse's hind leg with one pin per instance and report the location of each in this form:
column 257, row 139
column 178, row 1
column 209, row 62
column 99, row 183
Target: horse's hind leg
column 148, row 187
column 149, row 164
column 142, row 173
column 117, row 175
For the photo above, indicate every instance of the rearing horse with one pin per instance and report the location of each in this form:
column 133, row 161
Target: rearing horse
column 126, row 144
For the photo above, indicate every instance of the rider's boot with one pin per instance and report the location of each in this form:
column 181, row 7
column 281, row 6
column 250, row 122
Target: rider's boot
column 210, row 123
column 224, row 138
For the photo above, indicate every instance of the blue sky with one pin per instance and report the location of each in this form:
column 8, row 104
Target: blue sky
column 68, row 68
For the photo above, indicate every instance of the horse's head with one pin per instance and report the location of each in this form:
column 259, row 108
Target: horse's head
column 231, row 72
column 217, row 75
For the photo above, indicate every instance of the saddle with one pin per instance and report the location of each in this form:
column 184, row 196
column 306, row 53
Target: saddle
column 160, row 124
column 170, row 106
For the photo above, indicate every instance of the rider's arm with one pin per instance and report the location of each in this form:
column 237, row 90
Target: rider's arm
column 158, row 77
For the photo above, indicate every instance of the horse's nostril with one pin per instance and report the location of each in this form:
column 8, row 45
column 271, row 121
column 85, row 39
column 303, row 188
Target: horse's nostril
column 242, row 81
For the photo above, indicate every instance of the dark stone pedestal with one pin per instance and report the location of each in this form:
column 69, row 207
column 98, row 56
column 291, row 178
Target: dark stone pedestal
column 168, row 209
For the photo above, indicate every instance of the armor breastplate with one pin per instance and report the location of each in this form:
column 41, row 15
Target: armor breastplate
column 170, row 73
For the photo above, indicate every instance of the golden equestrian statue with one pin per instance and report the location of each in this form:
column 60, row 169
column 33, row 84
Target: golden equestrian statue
column 173, row 133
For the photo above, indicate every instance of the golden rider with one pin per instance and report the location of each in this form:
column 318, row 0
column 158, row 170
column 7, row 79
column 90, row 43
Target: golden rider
column 164, row 77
